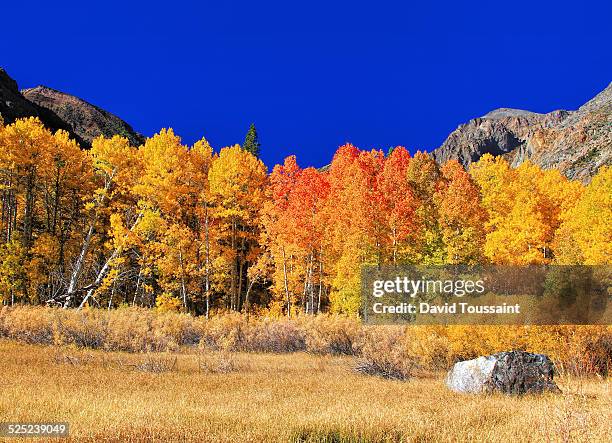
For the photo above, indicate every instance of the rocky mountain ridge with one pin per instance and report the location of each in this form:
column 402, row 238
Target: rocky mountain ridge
column 13, row 105
column 58, row 110
column 575, row 142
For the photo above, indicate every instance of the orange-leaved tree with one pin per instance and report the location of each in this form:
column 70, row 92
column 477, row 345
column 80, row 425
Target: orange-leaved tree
column 355, row 223
column 461, row 216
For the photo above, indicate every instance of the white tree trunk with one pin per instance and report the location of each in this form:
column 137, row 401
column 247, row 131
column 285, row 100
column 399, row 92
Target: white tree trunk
column 105, row 268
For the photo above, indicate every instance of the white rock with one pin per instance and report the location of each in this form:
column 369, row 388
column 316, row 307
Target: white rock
column 470, row 376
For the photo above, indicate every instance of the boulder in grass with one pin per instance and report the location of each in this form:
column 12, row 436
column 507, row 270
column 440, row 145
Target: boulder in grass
column 514, row 372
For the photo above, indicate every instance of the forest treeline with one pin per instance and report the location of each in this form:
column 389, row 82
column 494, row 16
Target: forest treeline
column 187, row 228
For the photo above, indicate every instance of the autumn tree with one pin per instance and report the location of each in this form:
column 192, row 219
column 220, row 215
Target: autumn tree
column 63, row 181
column 278, row 229
column 43, row 178
column 397, row 206
column 294, row 234
column 524, row 207
column 237, row 181
column 355, row 230
column 493, row 176
column 423, row 174
column 26, row 145
column 184, row 262
column 115, row 167
column 201, row 157
column 460, row 215
column 306, row 206
column 169, row 191
column 585, row 233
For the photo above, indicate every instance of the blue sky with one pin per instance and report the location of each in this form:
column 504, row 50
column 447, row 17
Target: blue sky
column 311, row 75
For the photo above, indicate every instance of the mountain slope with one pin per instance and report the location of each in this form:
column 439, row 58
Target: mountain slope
column 13, row 105
column 86, row 120
column 58, row 110
column 575, row 142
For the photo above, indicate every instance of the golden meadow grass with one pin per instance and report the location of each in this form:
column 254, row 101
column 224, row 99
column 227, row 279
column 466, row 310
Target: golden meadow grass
column 135, row 374
column 277, row 397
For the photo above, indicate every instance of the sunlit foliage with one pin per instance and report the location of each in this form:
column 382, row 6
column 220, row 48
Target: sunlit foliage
column 186, row 228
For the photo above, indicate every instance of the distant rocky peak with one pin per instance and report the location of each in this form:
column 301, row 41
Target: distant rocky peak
column 575, row 142
column 509, row 112
column 58, row 110
column 86, row 120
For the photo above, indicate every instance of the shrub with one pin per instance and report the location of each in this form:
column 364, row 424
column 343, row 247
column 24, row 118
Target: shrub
column 130, row 330
column 217, row 362
column 157, row 363
column 225, row 331
column 384, row 354
column 394, row 351
column 576, row 350
column 86, row 328
column 31, row 325
column 429, row 346
column 171, row 331
column 333, row 334
column 279, row 336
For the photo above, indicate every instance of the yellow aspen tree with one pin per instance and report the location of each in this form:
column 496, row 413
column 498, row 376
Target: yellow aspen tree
column 165, row 187
column 115, row 165
column 524, row 207
column 493, row 176
column 201, row 157
column 237, row 181
column 423, row 174
column 64, row 179
column 585, row 234
column 25, row 147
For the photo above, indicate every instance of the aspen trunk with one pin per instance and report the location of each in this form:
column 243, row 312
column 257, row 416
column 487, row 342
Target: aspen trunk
column 207, row 260
column 286, row 284
column 137, row 286
column 105, row 268
column 183, row 287
column 78, row 267
column 246, row 297
column 234, row 268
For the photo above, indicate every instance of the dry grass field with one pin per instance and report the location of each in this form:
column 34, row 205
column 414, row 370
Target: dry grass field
column 216, row 397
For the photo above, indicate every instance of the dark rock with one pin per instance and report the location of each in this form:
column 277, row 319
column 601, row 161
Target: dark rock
column 514, row 372
column 13, row 105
